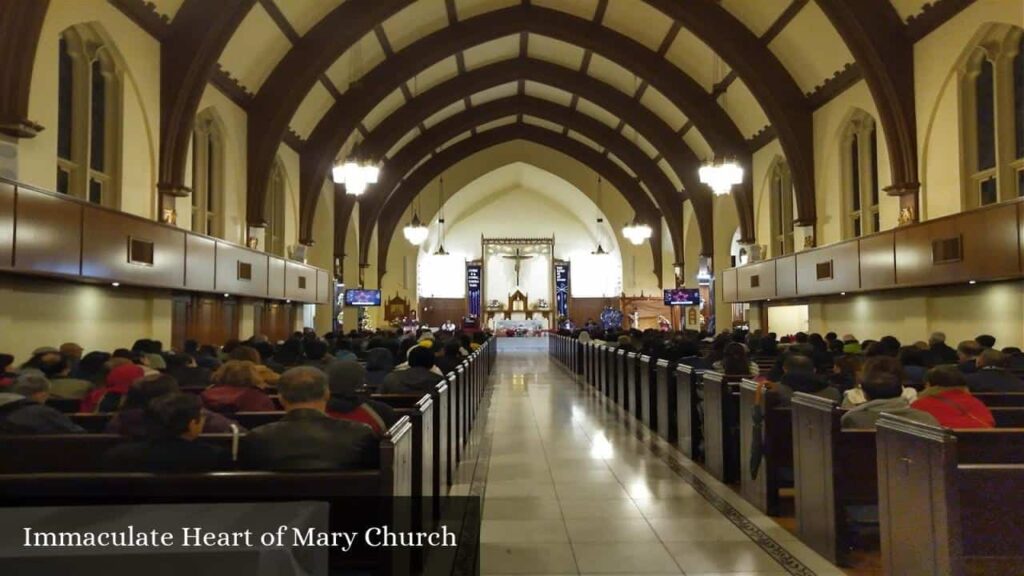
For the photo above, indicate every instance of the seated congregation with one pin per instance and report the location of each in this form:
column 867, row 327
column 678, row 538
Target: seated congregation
column 304, row 404
column 836, row 437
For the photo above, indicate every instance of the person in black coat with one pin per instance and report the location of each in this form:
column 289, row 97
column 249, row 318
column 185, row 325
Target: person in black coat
column 307, row 438
column 23, row 409
column 175, row 422
column 992, row 375
column 943, row 353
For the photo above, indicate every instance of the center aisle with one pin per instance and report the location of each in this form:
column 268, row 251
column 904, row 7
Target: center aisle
column 570, row 489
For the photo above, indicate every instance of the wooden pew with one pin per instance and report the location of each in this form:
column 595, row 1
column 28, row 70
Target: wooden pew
column 835, row 469
column 998, row 399
column 627, row 384
column 721, row 425
column 777, row 449
column 689, row 427
column 941, row 512
column 646, row 397
column 393, row 478
column 665, row 392
column 620, row 376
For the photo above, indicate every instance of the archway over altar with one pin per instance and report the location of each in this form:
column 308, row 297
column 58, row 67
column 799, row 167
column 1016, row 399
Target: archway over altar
column 556, row 220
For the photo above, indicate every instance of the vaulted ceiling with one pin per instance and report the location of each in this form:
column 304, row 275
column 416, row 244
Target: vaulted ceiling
column 653, row 87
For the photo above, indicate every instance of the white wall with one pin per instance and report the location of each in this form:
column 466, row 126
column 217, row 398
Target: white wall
column 787, row 320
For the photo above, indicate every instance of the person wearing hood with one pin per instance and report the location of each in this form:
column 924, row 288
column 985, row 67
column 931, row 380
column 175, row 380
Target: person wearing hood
column 23, row 409
column 449, row 357
column 883, row 393
column 948, row 399
column 237, row 387
column 379, row 363
column 878, row 364
column 346, row 378
column 419, row 378
column 109, row 396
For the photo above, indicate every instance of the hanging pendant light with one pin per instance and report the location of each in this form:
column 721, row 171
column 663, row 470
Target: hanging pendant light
column 637, row 232
column 721, row 175
column 600, row 251
column 440, row 219
column 356, row 175
column 415, row 232
column 356, row 172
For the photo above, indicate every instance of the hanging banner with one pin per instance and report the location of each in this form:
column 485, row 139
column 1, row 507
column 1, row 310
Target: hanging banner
column 562, row 288
column 473, row 288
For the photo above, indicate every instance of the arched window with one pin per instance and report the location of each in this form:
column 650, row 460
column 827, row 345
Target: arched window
column 89, row 97
column 207, row 174
column 992, row 104
column 275, row 209
column 780, row 184
column 859, row 153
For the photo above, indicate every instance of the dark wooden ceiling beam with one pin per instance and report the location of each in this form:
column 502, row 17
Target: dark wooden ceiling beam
column 681, row 159
column 293, row 77
column 188, row 60
column 768, row 80
column 934, row 14
column 876, row 36
column 21, row 23
column 716, row 126
column 381, row 203
column 437, row 165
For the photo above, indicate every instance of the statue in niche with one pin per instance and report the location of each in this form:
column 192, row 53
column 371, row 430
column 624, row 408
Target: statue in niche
column 906, row 216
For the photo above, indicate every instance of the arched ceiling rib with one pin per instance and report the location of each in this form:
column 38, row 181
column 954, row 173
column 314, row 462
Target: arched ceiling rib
column 678, row 160
column 382, row 204
column 685, row 93
column 300, row 56
column 437, row 164
column 291, row 80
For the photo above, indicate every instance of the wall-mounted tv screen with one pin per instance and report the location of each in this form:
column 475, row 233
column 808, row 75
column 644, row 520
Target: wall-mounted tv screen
column 682, row 297
column 362, row 297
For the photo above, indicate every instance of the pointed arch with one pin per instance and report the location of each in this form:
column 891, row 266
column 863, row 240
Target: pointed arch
column 208, row 183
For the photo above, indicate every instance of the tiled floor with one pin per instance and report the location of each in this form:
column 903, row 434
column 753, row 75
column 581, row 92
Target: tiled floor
column 570, row 489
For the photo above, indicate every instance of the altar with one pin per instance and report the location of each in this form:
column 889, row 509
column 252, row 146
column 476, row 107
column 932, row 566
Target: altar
column 518, row 284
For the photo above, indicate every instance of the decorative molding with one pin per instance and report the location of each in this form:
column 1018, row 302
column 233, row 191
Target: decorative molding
column 761, row 138
column 840, row 81
column 293, row 140
column 933, row 15
column 145, row 15
column 232, row 88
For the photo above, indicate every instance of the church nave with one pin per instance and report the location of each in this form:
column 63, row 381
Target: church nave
column 573, row 488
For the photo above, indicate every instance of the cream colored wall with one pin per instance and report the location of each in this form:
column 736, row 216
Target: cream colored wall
column 829, row 122
column 762, row 164
column 36, row 312
column 617, row 212
column 726, row 223
column 321, row 253
column 962, row 312
column 37, row 157
column 936, row 95
column 786, row 320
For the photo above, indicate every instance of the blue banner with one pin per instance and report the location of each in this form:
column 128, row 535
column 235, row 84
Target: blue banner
column 473, row 288
column 562, row 288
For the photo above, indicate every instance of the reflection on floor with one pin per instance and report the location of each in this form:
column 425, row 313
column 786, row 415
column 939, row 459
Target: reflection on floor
column 570, row 489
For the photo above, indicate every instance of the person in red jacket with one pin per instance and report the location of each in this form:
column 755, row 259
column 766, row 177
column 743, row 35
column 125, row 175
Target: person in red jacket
column 110, row 396
column 237, row 387
column 948, row 399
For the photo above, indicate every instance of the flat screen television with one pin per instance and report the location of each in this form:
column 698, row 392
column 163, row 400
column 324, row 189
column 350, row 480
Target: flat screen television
column 358, row 297
column 682, row 297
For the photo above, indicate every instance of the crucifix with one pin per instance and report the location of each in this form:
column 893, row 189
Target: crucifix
column 518, row 257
